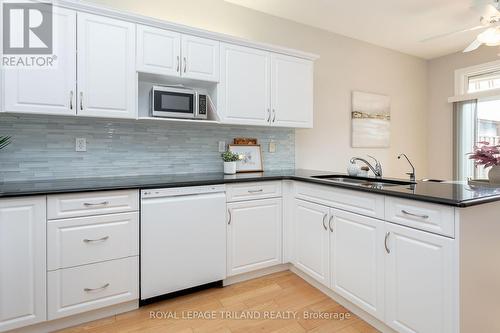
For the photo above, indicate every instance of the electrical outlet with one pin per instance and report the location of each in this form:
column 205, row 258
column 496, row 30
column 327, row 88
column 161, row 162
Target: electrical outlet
column 80, row 144
column 222, row 146
column 272, row 147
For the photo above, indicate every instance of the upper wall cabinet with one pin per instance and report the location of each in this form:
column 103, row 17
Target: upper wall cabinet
column 200, row 58
column 47, row 91
column 291, row 91
column 158, row 51
column 106, row 67
column 245, row 86
column 170, row 53
column 263, row 88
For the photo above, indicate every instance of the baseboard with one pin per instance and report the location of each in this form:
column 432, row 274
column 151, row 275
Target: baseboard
column 255, row 274
column 59, row 324
column 345, row 303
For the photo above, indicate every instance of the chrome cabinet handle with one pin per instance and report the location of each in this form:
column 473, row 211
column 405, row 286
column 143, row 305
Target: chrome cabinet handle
column 178, row 63
column 185, row 64
column 416, row 215
column 71, row 100
column 330, row 223
column 268, row 115
column 387, row 234
column 324, row 221
column 96, row 289
column 255, row 191
column 89, row 204
column 81, row 100
column 96, row 240
column 274, row 115
column 229, row 213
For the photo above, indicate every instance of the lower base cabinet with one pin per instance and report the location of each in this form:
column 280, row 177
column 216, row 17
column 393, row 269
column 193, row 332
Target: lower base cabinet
column 89, row 287
column 22, row 262
column 254, row 235
column 400, row 275
column 312, row 240
column 419, row 279
column 357, row 260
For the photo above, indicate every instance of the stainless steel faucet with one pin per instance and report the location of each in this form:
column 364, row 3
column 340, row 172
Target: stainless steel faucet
column 377, row 170
column 411, row 174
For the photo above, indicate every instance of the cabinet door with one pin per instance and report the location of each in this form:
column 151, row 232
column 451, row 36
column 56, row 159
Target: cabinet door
column 312, row 240
column 254, row 235
column 47, row 90
column 200, row 58
column 22, row 262
column 106, row 67
column 244, row 88
column 419, row 281
column 158, row 51
column 357, row 260
column 291, row 91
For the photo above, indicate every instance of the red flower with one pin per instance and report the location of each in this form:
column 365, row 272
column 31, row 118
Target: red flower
column 486, row 155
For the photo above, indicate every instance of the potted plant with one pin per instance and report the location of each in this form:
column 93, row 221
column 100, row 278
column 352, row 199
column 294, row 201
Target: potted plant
column 230, row 160
column 488, row 156
column 4, row 141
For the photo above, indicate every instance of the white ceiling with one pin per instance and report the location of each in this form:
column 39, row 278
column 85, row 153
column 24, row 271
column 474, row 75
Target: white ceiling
column 395, row 24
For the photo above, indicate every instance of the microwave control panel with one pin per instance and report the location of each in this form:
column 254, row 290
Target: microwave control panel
column 202, row 104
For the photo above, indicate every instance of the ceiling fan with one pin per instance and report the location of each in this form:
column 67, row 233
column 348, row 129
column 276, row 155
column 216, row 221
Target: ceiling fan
column 490, row 20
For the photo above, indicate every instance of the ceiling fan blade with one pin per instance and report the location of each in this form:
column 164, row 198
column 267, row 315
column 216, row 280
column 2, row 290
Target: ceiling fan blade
column 453, row 33
column 473, row 46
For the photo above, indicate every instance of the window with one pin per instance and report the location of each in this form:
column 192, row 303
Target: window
column 476, row 120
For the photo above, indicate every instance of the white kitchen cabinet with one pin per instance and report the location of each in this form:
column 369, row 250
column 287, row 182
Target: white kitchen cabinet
column 106, row 67
column 244, row 89
column 170, row 53
column 419, row 281
column 89, row 287
column 47, row 90
column 158, row 51
column 254, row 235
column 200, row 58
column 22, row 262
column 312, row 240
column 357, row 260
column 291, row 91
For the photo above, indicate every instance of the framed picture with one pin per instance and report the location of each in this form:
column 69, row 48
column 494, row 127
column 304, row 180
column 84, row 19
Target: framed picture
column 251, row 157
column 371, row 120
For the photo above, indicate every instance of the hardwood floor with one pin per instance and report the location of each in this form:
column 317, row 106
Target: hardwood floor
column 279, row 303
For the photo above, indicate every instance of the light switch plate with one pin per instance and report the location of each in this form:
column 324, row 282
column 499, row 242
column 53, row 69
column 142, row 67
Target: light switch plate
column 272, row 147
column 80, row 144
column 222, row 146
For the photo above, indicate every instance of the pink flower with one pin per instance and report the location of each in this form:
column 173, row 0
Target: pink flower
column 486, row 155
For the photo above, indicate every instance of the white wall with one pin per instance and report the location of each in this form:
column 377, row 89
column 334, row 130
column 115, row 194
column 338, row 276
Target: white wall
column 345, row 65
column 441, row 74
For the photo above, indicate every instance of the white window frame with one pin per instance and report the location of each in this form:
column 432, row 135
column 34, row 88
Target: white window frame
column 462, row 76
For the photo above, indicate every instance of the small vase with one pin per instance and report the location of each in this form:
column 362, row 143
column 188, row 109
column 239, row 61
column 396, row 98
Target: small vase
column 229, row 168
column 494, row 174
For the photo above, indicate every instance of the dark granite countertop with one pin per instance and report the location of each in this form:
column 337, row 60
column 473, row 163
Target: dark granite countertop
column 457, row 194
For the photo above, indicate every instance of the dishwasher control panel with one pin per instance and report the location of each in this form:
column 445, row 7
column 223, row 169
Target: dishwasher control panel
column 178, row 191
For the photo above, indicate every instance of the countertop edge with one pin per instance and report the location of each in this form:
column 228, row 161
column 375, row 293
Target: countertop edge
column 307, row 179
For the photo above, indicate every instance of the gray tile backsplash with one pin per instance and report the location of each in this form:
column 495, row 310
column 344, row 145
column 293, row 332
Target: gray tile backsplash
column 43, row 147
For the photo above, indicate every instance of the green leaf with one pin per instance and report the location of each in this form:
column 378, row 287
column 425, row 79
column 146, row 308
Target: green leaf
column 4, row 141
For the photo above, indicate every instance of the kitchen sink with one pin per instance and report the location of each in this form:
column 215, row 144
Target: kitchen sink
column 363, row 181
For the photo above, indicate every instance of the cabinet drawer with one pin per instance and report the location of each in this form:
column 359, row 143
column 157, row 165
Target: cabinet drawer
column 435, row 218
column 80, row 289
column 250, row 191
column 85, row 240
column 91, row 203
column 367, row 204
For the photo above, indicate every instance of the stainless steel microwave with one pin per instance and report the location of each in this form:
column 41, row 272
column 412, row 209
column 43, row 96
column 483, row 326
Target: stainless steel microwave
column 178, row 102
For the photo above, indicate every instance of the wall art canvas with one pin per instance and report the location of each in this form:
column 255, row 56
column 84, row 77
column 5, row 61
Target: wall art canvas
column 371, row 120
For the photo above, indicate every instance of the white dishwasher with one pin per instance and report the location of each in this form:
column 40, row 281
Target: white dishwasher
column 183, row 238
